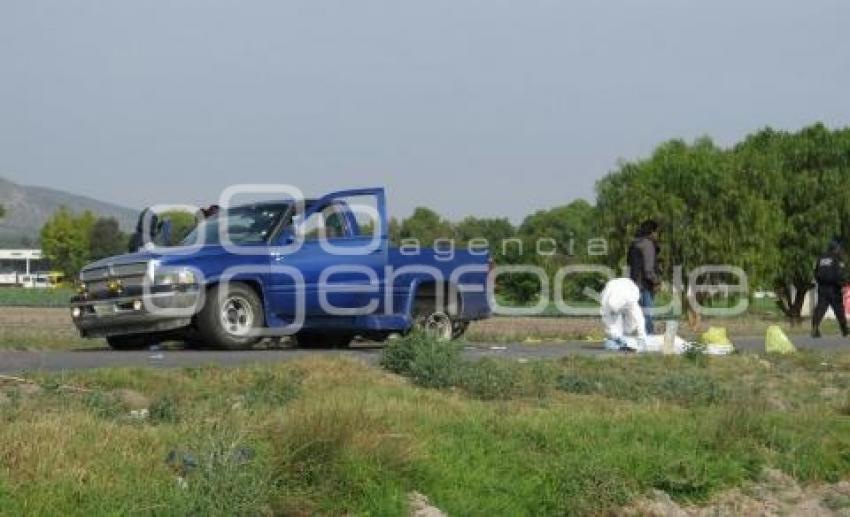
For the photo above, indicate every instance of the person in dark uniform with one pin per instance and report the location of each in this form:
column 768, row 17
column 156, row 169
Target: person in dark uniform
column 643, row 267
column 137, row 240
column 829, row 274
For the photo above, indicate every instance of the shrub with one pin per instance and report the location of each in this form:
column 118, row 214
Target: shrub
column 428, row 362
column 399, row 353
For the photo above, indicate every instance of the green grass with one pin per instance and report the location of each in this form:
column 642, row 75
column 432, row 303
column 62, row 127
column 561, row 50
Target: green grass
column 332, row 436
column 19, row 297
column 22, row 338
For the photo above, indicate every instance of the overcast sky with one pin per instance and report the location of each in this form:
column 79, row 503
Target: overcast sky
column 489, row 107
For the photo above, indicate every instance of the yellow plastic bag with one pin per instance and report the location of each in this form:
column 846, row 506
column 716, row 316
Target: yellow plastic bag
column 776, row 342
column 715, row 336
column 716, row 342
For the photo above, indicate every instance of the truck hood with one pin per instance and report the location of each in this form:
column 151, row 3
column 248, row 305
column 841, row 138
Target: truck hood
column 164, row 255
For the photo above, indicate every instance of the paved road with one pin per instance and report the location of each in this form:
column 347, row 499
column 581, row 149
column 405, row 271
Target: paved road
column 16, row 361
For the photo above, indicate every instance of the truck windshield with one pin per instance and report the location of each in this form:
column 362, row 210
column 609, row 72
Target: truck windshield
column 250, row 224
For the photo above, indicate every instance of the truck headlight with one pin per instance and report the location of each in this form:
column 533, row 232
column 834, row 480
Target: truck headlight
column 180, row 276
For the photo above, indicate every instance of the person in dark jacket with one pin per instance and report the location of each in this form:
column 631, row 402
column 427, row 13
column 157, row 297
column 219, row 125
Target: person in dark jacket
column 830, row 276
column 138, row 240
column 643, row 267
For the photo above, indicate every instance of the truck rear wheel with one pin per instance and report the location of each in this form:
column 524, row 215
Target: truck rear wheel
column 130, row 342
column 459, row 329
column 231, row 316
column 434, row 322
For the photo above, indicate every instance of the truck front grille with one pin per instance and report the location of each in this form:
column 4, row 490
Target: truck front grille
column 114, row 280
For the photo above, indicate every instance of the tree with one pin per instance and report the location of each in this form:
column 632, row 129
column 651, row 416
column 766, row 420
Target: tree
column 394, row 231
column 493, row 230
column 426, row 226
column 65, row 240
column 558, row 237
column 2, row 211
column 806, row 174
column 712, row 211
column 106, row 239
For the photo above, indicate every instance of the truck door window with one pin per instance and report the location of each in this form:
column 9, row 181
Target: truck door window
column 327, row 223
column 345, row 217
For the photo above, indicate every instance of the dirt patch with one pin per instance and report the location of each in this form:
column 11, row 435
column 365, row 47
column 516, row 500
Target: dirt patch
column 521, row 329
column 40, row 328
column 35, row 317
column 774, row 494
column 421, row 507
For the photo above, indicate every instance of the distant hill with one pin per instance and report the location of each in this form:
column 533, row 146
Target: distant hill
column 28, row 208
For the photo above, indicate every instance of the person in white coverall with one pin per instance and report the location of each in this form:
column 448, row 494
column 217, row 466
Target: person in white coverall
column 621, row 313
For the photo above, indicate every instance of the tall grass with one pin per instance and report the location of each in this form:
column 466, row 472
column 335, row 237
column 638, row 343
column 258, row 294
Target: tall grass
column 337, row 437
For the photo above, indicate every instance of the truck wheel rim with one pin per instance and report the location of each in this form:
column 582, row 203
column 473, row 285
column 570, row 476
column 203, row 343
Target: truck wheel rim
column 438, row 325
column 237, row 316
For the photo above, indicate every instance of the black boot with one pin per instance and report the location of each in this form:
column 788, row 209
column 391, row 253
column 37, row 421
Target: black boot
column 844, row 331
column 816, row 332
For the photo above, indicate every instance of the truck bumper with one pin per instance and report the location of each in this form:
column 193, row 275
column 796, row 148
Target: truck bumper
column 156, row 312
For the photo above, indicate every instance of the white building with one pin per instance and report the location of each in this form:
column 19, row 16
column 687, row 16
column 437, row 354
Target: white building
column 15, row 263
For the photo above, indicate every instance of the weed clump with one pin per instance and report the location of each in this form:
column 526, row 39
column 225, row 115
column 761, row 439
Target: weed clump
column 164, row 410
column 274, row 388
column 491, row 380
column 437, row 364
column 103, row 405
column 686, row 388
column 428, row 362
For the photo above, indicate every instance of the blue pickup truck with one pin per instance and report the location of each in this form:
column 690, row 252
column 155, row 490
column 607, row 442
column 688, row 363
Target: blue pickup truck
column 321, row 270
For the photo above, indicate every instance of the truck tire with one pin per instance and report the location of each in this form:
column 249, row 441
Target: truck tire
column 459, row 329
column 230, row 315
column 323, row 340
column 130, row 342
column 435, row 323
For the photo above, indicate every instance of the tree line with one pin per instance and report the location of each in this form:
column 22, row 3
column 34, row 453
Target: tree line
column 767, row 204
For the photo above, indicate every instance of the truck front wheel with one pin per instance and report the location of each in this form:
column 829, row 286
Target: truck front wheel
column 231, row 316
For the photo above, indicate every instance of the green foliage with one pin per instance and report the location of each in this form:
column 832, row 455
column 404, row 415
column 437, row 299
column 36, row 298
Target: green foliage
column 426, row 226
column 58, row 297
column 274, row 388
column 768, row 205
column 710, row 214
column 164, row 410
column 356, row 442
column 685, row 386
column 103, row 405
column 805, row 175
column 66, row 240
column 106, row 239
column 489, row 379
column 2, row 211
column 493, row 230
column 428, row 362
column 559, row 237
